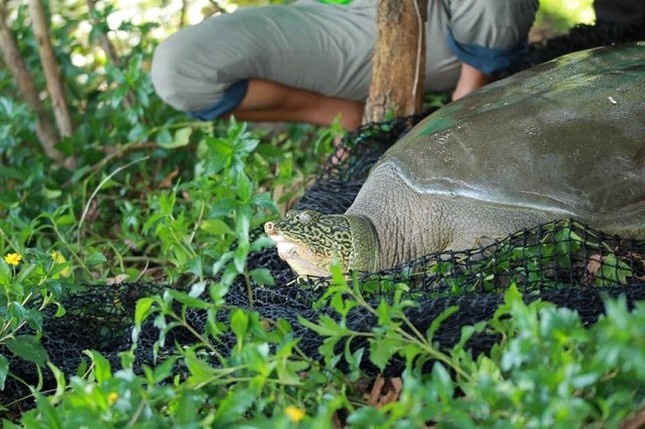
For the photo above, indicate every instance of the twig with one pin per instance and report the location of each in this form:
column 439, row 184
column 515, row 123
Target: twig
column 635, row 422
column 218, row 8
column 98, row 188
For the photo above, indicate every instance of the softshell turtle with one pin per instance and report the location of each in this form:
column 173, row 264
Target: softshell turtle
column 565, row 139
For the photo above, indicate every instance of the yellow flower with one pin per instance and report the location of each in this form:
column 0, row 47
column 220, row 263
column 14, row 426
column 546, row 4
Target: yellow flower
column 112, row 397
column 12, row 258
column 295, row 414
column 60, row 259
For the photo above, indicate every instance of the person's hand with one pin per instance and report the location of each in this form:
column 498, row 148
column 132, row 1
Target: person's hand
column 469, row 80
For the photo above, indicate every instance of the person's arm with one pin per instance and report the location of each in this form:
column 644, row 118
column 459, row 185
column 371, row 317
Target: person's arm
column 470, row 79
column 488, row 37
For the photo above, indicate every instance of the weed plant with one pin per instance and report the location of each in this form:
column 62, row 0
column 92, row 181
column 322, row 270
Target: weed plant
column 157, row 197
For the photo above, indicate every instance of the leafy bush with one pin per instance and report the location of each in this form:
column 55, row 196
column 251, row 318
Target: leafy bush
column 157, row 197
column 548, row 369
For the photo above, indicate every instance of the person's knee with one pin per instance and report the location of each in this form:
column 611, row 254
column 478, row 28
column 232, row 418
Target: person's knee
column 168, row 71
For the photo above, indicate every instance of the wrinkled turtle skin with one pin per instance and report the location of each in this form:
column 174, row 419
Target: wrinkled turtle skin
column 565, row 139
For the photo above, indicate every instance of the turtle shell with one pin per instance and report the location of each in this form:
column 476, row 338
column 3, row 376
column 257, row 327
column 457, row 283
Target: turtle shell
column 567, row 136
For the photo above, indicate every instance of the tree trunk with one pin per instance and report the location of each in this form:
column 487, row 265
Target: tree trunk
column 50, row 68
column 45, row 130
column 182, row 15
column 398, row 67
column 104, row 40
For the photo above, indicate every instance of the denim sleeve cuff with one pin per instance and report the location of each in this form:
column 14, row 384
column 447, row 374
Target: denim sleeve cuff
column 489, row 60
column 231, row 98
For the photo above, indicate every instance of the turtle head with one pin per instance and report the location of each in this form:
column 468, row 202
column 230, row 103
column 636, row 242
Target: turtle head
column 310, row 242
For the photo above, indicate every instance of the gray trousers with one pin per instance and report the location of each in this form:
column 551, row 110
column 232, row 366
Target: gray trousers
column 313, row 46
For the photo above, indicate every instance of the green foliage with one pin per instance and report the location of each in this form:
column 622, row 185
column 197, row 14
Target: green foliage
column 157, row 197
column 28, row 287
column 547, row 370
column 557, row 16
column 153, row 195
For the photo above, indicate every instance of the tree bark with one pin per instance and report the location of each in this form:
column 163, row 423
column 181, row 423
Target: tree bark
column 45, row 130
column 104, row 40
column 55, row 86
column 182, row 15
column 398, row 67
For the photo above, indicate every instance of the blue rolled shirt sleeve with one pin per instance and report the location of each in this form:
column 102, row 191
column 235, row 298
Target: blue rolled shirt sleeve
column 231, row 98
column 489, row 60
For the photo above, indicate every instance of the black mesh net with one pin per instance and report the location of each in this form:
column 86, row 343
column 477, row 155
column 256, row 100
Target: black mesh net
column 563, row 262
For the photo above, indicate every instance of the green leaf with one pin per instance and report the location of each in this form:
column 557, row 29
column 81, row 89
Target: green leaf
column 4, row 370
column 163, row 138
column 382, row 350
column 197, row 289
column 28, row 348
column 11, row 173
column 5, row 273
column 61, row 382
column 137, row 132
column 181, row 139
column 194, row 266
column 233, row 407
column 187, row 414
column 48, row 418
column 244, row 188
column 612, row 271
column 51, row 193
column 355, row 358
column 95, row 258
column 384, row 312
column 436, row 323
column 327, row 326
column 102, row 370
column 216, row 227
column 262, row 276
column 141, row 309
column 327, row 350
column 188, row 300
column 366, row 417
column 222, row 262
column 239, row 323
column 243, row 223
column 265, row 200
column 164, row 370
column 152, row 221
column 240, row 256
column 262, row 242
column 200, row 371
column 442, row 381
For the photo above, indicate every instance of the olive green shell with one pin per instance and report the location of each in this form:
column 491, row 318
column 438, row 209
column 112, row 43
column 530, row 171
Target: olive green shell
column 567, row 136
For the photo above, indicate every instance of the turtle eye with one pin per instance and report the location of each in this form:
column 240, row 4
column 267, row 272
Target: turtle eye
column 304, row 217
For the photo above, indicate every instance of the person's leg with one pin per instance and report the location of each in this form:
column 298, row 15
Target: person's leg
column 267, row 101
column 304, row 62
column 470, row 79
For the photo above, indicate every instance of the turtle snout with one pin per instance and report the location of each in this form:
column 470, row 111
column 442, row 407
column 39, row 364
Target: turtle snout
column 270, row 228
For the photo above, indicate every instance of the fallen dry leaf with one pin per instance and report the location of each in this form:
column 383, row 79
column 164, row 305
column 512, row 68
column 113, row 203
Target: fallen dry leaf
column 167, row 181
column 384, row 391
column 595, row 261
column 116, row 280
